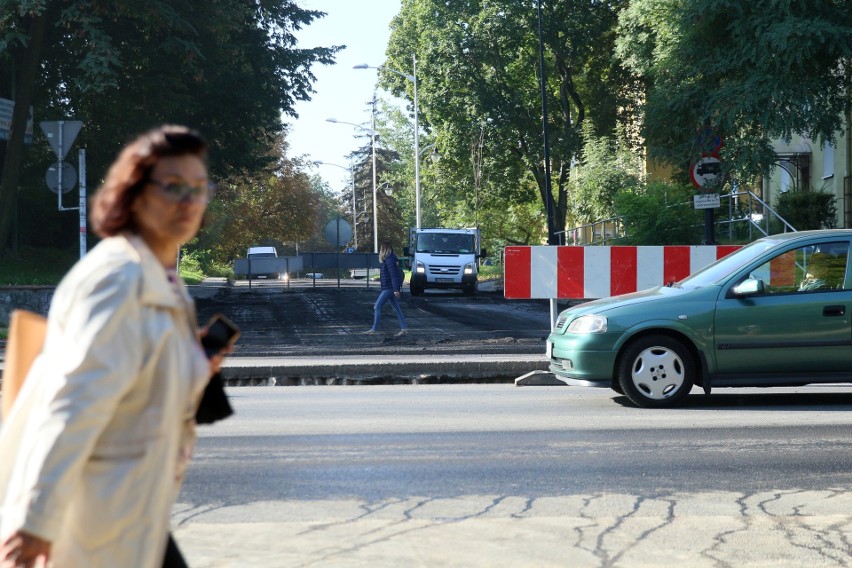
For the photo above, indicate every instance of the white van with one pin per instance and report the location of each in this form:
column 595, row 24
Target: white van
column 259, row 267
column 444, row 258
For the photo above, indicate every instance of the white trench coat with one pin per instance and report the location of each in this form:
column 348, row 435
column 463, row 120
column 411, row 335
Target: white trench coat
column 95, row 447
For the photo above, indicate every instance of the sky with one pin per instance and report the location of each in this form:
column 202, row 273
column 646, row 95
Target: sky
column 342, row 92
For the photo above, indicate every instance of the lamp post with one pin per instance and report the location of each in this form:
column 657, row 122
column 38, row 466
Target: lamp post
column 354, row 216
column 548, row 194
column 413, row 79
column 372, row 133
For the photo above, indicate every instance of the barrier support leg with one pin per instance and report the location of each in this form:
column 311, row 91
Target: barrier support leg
column 554, row 313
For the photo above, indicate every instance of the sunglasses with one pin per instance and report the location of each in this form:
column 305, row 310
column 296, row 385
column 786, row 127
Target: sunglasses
column 179, row 192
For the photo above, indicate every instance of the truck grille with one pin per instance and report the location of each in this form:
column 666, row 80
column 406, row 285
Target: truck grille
column 440, row 270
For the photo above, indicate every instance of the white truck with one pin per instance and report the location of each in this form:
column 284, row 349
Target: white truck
column 263, row 263
column 444, row 258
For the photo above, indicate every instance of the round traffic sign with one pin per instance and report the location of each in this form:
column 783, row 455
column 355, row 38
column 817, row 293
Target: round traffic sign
column 706, row 172
column 69, row 177
column 338, row 232
column 709, row 141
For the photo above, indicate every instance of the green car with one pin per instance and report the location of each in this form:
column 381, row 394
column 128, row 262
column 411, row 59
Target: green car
column 774, row 313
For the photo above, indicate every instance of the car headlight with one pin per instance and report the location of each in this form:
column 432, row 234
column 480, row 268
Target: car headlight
column 419, row 268
column 587, row 324
column 468, row 268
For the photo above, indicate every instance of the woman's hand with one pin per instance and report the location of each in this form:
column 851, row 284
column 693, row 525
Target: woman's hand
column 397, row 293
column 216, row 359
column 24, row 550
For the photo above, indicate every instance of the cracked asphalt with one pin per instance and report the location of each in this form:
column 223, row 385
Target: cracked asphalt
column 496, row 475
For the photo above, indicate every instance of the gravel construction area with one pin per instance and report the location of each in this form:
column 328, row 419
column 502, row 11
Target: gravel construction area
column 278, row 321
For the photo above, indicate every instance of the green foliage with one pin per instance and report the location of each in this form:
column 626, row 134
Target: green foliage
column 807, row 210
column 478, row 92
column 490, row 272
column 226, row 67
column 278, row 206
column 607, row 168
column 190, row 269
column 757, row 71
column 659, row 213
column 36, row 266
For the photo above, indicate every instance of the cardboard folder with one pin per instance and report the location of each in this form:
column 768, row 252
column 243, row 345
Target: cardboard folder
column 26, row 338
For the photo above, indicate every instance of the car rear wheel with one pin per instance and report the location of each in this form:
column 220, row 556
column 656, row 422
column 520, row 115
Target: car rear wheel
column 656, row 372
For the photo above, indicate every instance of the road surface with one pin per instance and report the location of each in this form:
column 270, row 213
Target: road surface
column 496, row 475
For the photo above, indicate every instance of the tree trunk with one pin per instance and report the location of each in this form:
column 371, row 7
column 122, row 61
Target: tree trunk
column 23, row 97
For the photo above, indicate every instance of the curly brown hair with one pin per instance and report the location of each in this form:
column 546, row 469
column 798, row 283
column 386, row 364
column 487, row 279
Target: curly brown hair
column 127, row 176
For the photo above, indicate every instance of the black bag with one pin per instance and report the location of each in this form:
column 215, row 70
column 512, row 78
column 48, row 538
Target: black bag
column 173, row 557
column 214, row 404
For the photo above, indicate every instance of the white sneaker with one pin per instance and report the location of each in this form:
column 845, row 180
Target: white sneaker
column 369, row 331
column 402, row 332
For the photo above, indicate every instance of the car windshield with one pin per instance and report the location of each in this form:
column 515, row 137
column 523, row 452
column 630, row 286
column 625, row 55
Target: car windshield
column 450, row 243
column 715, row 272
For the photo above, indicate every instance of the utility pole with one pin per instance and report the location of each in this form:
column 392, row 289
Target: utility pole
column 548, row 194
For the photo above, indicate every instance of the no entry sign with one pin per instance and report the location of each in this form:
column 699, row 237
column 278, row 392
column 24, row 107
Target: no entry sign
column 706, row 172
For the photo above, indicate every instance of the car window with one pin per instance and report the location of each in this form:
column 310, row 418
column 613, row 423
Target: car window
column 809, row 268
column 726, row 265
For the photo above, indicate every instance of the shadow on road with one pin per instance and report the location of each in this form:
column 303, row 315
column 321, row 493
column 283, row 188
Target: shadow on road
column 730, row 399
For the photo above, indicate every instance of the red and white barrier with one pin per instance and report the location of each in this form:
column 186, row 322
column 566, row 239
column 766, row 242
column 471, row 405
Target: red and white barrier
column 578, row 272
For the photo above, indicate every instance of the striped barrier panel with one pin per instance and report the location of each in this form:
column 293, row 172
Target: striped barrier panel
column 581, row 272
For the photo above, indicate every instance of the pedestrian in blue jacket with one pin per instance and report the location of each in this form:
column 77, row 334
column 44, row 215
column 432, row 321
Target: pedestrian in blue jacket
column 390, row 278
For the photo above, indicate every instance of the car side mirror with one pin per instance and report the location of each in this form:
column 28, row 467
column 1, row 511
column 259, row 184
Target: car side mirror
column 483, row 253
column 749, row 287
column 406, row 251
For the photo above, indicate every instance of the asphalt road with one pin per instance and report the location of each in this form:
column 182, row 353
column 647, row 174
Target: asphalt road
column 496, row 475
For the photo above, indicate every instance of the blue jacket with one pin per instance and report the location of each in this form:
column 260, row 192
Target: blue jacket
column 389, row 274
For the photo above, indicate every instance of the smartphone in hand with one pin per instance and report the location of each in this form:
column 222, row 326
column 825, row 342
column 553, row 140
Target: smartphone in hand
column 222, row 333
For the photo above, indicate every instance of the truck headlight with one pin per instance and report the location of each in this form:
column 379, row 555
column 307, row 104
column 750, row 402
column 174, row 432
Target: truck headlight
column 468, row 268
column 587, row 324
column 419, row 268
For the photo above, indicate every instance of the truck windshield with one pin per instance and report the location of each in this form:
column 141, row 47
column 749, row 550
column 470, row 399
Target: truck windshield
column 448, row 243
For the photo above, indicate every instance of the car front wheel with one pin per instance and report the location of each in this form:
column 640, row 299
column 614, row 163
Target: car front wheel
column 656, row 372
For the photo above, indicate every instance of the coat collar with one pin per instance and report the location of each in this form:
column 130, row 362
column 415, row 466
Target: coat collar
column 155, row 286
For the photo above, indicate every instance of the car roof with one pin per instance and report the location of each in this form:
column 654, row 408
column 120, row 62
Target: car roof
column 446, row 231
column 802, row 235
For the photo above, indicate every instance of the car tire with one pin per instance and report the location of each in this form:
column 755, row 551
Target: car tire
column 656, row 371
column 415, row 290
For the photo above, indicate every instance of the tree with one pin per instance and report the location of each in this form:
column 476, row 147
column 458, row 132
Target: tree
column 274, row 205
column 390, row 219
column 478, row 89
column 226, row 67
column 606, row 169
column 755, row 71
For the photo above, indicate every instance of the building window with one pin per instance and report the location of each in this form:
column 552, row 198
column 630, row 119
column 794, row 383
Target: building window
column 786, row 179
column 828, row 161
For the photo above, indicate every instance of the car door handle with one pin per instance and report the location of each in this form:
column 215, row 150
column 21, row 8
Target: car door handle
column 834, row 311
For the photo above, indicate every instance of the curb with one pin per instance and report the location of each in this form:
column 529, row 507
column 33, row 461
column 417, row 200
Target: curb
column 451, row 369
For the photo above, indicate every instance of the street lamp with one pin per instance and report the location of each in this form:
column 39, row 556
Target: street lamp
column 372, row 134
column 413, row 79
column 435, row 155
column 352, row 174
